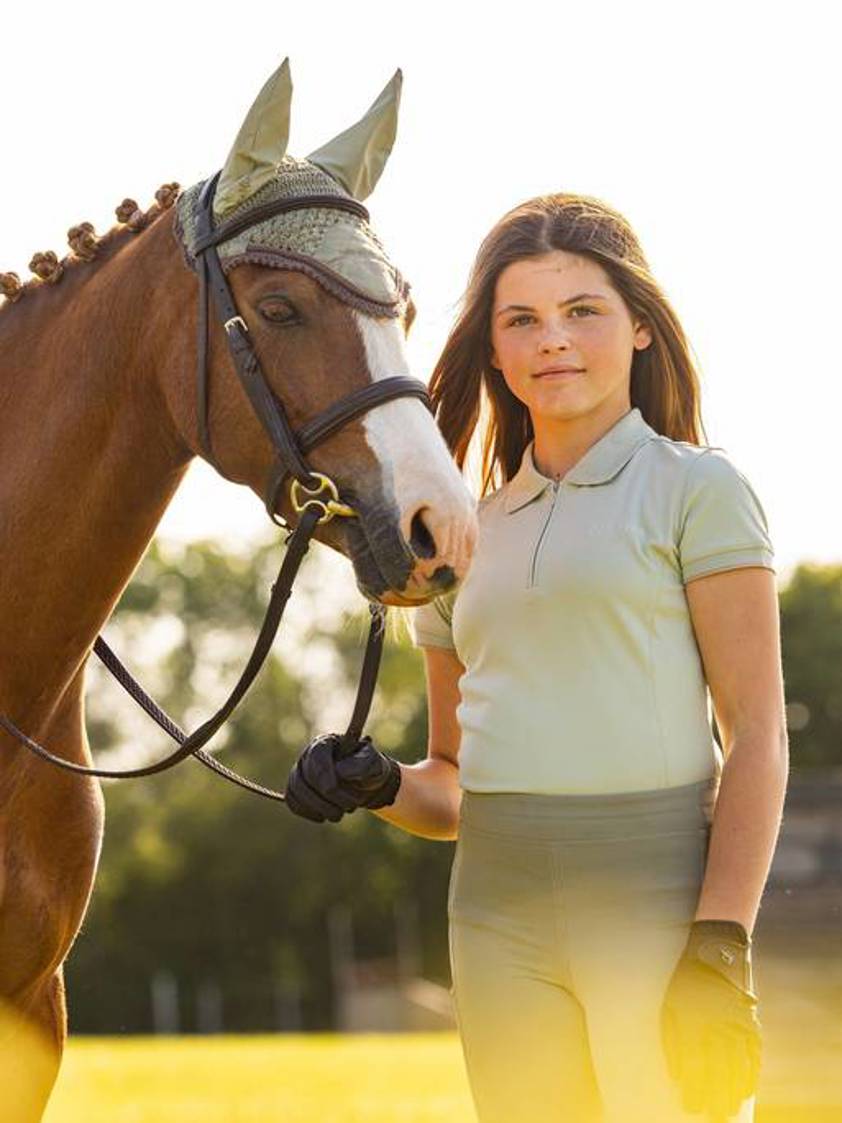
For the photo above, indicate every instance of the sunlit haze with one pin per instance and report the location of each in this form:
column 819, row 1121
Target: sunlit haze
column 711, row 127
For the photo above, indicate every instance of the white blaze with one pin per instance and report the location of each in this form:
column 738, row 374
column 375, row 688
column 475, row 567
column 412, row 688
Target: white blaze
column 417, row 465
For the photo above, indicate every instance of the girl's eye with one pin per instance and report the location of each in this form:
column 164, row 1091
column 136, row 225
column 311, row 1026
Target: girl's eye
column 519, row 319
column 582, row 308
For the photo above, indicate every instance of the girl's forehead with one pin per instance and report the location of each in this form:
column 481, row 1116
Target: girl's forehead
column 555, row 270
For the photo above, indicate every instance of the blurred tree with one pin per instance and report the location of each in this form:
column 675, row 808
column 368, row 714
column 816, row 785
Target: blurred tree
column 811, row 638
column 216, row 886
column 212, row 884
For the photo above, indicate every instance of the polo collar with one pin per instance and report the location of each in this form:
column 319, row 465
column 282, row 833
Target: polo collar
column 599, row 464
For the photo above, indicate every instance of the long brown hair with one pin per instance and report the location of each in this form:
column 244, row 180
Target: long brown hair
column 664, row 379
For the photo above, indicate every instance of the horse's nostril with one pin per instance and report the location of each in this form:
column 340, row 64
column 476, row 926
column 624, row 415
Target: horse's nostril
column 420, row 540
column 444, row 577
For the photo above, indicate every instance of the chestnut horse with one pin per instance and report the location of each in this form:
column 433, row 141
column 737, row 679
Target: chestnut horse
column 98, row 403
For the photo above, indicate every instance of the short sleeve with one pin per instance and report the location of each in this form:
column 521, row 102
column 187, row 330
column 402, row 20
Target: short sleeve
column 430, row 625
column 723, row 525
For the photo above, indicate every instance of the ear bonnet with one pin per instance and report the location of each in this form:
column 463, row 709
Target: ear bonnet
column 336, row 247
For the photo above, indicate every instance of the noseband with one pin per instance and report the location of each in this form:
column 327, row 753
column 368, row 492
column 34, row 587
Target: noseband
column 322, row 499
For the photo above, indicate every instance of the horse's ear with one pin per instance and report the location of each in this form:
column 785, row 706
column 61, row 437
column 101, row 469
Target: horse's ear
column 260, row 145
column 357, row 157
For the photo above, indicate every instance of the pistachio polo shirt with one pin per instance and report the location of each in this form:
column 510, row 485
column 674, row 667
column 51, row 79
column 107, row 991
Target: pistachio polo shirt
column 582, row 671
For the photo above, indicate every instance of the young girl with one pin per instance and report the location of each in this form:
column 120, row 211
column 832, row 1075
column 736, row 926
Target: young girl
column 610, row 860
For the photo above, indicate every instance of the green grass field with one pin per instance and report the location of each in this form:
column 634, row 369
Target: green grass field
column 313, row 1078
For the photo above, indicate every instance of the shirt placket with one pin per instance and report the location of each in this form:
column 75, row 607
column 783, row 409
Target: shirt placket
column 533, row 566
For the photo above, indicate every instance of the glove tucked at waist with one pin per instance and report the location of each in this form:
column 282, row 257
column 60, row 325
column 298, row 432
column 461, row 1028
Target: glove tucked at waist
column 709, row 1025
column 324, row 785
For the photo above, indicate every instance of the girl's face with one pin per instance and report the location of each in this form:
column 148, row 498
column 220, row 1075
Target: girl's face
column 560, row 310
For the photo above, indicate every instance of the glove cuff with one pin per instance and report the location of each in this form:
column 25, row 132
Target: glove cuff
column 731, row 930
column 724, row 946
column 387, row 794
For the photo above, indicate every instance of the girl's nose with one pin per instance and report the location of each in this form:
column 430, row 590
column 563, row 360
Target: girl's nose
column 555, row 339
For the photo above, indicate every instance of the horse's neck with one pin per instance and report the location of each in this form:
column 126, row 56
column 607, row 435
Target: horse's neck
column 89, row 456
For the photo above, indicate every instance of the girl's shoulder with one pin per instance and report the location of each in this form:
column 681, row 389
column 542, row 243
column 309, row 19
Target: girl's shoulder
column 691, row 462
column 710, row 494
column 683, row 452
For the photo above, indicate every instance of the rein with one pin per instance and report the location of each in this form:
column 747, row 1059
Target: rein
column 312, row 510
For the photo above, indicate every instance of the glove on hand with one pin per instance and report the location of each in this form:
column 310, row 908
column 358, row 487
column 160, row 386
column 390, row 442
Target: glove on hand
column 322, row 785
column 709, row 1026
column 372, row 775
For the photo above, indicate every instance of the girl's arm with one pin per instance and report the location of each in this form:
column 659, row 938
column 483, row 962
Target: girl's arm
column 735, row 616
column 428, row 800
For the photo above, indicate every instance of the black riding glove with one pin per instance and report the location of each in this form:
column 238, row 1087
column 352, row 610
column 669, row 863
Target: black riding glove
column 324, row 785
column 709, row 1026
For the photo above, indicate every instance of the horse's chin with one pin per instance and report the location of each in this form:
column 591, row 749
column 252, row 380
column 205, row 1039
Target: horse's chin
column 413, row 594
column 397, row 599
column 384, row 568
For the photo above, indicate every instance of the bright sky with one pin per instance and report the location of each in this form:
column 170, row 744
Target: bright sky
column 712, row 127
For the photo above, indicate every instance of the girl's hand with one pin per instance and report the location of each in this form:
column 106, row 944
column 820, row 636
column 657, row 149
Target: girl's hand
column 327, row 781
column 709, row 1026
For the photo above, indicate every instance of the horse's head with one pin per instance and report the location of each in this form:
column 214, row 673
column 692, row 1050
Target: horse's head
column 327, row 313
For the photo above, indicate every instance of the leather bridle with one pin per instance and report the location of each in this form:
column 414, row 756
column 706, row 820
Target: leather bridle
column 313, row 508
column 291, row 447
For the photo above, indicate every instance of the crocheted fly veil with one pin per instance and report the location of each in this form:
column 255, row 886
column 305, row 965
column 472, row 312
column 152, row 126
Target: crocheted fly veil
column 337, row 248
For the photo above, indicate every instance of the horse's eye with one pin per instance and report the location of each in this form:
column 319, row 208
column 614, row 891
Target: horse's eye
column 279, row 310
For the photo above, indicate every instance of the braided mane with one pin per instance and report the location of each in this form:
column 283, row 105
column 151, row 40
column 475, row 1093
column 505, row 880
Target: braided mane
column 86, row 248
